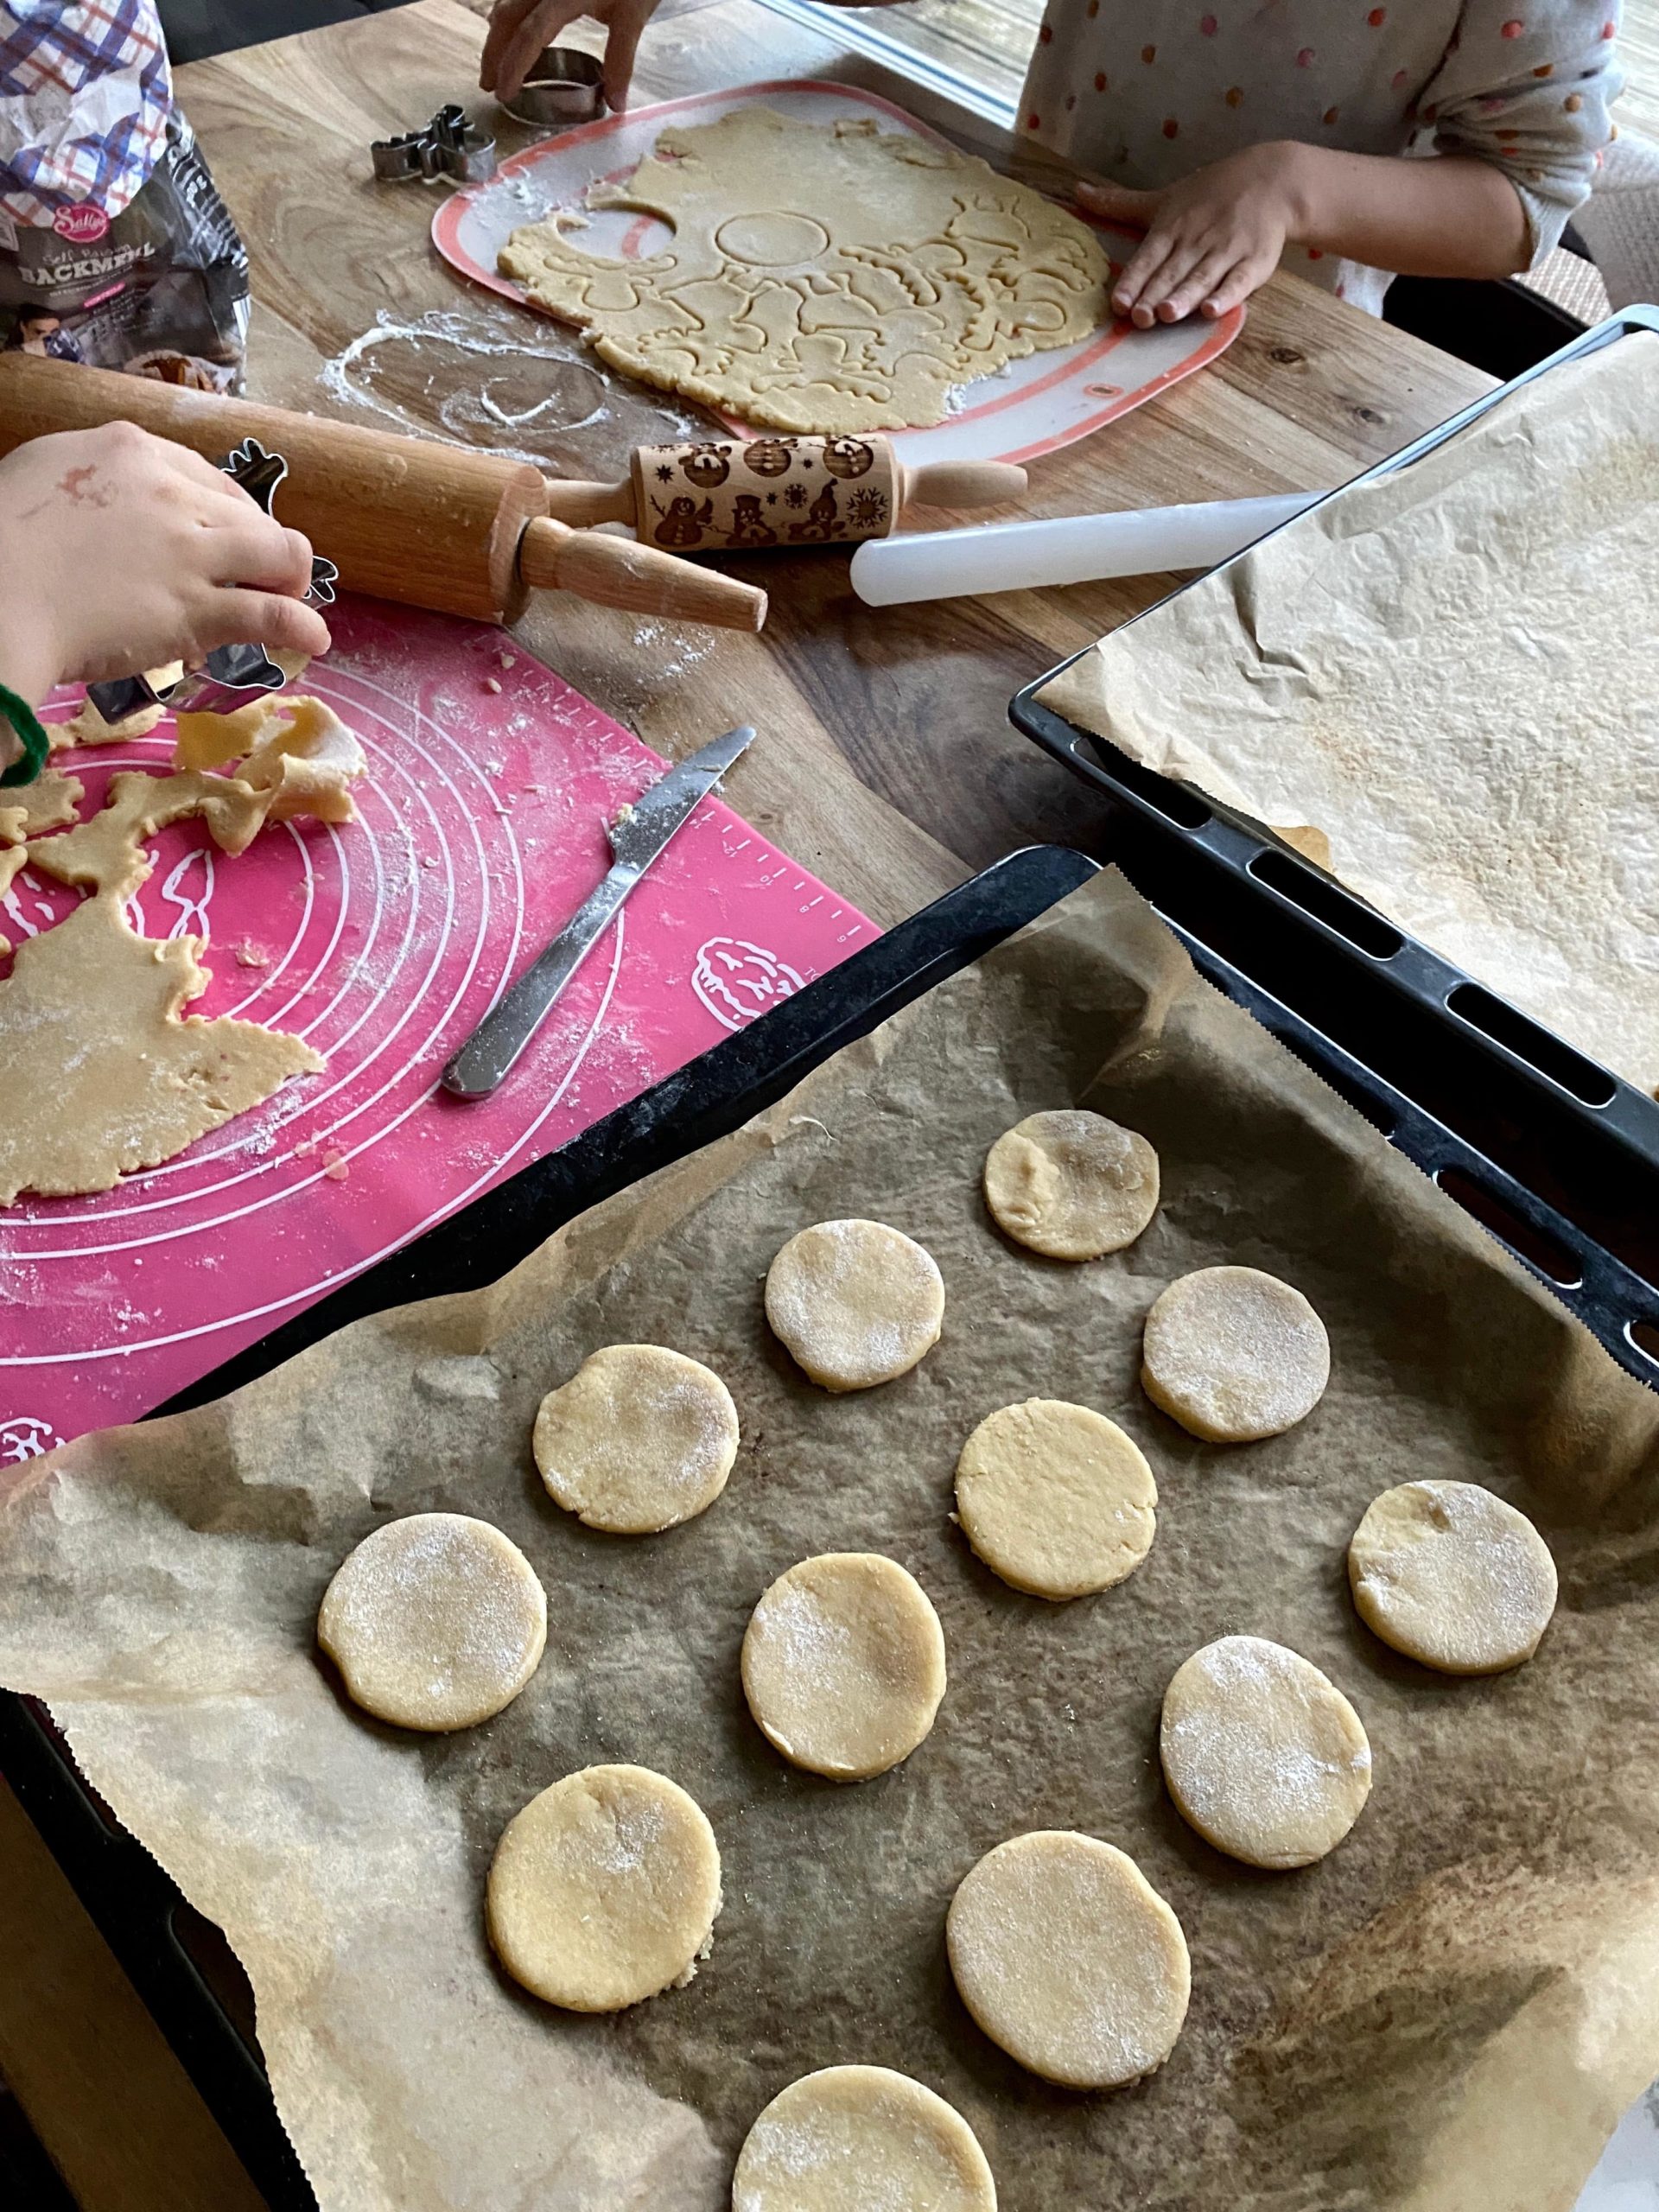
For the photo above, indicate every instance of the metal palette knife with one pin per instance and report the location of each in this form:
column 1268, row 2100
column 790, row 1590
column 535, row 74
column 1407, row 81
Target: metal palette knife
column 639, row 834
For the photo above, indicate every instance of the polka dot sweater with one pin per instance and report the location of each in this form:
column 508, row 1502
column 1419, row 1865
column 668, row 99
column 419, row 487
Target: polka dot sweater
column 1146, row 90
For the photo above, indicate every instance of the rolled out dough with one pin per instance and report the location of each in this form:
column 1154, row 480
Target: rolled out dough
column 638, row 1439
column 604, row 1889
column 855, row 1302
column 860, row 2139
column 1069, row 1959
column 1453, row 1576
column 843, row 1664
column 821, row 278
column 1055, row 1498
column 1234, row 1354
column 1264, row 1754
column 435, row 1622
column 1071, row 1185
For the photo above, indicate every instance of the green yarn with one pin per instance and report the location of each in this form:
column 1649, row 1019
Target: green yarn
column 31, row 731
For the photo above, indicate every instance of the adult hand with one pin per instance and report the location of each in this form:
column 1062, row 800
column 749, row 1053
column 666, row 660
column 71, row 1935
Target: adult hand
column 1212, row 239
column 120, row 551
column 520, row 29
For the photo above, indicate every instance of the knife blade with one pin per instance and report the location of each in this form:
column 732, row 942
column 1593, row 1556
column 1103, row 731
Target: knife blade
column 639, row 834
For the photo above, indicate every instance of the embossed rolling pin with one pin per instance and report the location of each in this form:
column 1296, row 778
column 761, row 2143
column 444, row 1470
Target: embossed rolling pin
column 722, row 495
column 410, row 519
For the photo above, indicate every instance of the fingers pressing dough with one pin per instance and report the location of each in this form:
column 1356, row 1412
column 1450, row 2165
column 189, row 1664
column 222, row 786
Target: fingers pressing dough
column 1234, row 1354
column 852, row 2138
column 843, row 1664
column 1069, row 1959
column 604, row 1889
column 436, row 1621
column 1071, row 1185
column 638, row 1439
column 1055, row 1498
column 1263, row 1755
column 854, row 1302
column 1450, row 1574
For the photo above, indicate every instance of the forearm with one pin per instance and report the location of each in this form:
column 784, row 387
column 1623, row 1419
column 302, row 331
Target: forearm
column 1444, row 215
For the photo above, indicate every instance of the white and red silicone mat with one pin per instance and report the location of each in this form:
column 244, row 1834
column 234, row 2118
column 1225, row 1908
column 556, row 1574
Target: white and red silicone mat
column 1031, row 407
column 383, row 942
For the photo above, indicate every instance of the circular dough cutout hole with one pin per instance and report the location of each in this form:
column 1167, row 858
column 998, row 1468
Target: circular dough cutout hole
column 850, row 2138
column 1069, row 1959
column 771, row 239
column 1452, row 1576
column 1055, row 1498
column 855, row 1303
column 1264, row 1754
column 843, row 1664
column 604, row 1889
column 435, row 1622
column 638, row 1440
column 1071, row 1185
column 1234, row 1354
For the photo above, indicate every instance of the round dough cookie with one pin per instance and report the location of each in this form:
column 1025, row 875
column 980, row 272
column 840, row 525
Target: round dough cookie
column 1451, row 1575
column 1263, row 1755
column 843, row 1664
column 604, row 1889
column 638, row 1439
column 1068, row 1957
column 852, row 2138
column 1234, row 1354
column 436, row 1621
column 1055, row 1498
column 1071, row 1185
column 854, row 1302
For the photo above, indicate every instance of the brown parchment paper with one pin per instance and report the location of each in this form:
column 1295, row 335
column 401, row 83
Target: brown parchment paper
column 1450, row 2012
column 1453, row 673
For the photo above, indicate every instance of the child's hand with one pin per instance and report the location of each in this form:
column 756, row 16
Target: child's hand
column 520, row 29
column 1211, row 240
column 120, row 552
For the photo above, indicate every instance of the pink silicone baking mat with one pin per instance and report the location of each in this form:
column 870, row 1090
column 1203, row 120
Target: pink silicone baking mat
column 382, row 941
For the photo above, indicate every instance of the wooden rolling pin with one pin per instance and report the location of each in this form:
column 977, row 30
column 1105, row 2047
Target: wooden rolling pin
column 422, row 523
column 724, row 495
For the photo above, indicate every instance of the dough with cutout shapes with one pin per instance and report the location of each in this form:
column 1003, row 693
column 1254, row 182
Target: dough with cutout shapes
column 604, row 1889
column 1067, row 1957
column 843, row 1664
column 638, row 1440
column 1071, row 1185
column 1452, row 1576
column 854, row 2139
column 436, row 1621
column 1264, row 1754
column 1234, row 1354
column 1055, row 1498
column 854, row 1302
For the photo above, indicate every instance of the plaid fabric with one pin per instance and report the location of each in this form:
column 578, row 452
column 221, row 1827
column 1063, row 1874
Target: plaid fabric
column 85, row 92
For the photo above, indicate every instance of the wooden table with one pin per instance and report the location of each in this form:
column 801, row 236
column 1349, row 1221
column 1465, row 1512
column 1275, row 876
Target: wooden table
column 886, row 761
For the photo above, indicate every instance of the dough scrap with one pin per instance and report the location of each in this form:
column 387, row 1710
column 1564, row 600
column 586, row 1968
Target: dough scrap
column 1071, row 1185
column 604, row 1889
column 638, row 1439
column 1055, row 1498
column 1234, row 1354
column 47, row 804
column 436, row 1621
column 855, row 1303
column 821, row 279
column 843, row 1664
column 87, row 727
column 1452, row 1576
column 1068, row 1958
column 860, row 2139
column 1264, row 1754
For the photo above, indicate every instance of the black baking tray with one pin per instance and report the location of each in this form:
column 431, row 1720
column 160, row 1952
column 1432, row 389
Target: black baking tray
column 1556, row 1155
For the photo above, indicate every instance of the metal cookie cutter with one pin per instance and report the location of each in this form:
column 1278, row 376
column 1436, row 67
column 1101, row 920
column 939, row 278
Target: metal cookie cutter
column 230, row 668
column 563, row 88
column 449, row 145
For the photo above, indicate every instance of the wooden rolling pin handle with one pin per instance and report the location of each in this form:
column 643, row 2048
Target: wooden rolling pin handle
column 584, row 504
column 961, row 483
column 621, row 572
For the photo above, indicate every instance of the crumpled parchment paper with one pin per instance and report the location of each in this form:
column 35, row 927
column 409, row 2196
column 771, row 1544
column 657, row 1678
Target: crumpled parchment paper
column 1450, row 2011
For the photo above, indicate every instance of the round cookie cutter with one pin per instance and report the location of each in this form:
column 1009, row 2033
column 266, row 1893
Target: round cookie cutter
column 563, row 88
